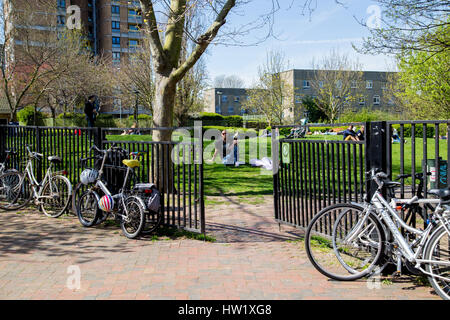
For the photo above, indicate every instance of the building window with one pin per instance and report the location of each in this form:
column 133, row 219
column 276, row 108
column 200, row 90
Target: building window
column 369, row 84
column 306, row 84
column 133, row 27
column 230, row 110
column 133, row 43
column 62, row 4
column 383, row 86
column 320, row 84
column 376, row 100
column 224, row 98
column 218, row 109
column 115, row 25
column 298, row 99
column 115, row 9
column 339, row 84
column 116, row 42
column 116, row 56
column 61, row 20
column 362, row 101
column 354, row 84
column 237, row 99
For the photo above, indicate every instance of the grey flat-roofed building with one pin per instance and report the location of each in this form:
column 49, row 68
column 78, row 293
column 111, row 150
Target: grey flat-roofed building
column 372, row 89
column 225, row 101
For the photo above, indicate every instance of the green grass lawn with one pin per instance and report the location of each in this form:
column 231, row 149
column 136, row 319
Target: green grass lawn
column 246, row 182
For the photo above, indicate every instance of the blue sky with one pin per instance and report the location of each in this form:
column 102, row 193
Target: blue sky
column 301, row 38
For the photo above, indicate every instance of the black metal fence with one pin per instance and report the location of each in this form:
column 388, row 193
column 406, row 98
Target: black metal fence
column 176, row 167
column 310, row 174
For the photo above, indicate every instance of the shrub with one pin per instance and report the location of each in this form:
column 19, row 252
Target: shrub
column 419, row 130
column 234, row 121
column 27, row 116
column 366, row 114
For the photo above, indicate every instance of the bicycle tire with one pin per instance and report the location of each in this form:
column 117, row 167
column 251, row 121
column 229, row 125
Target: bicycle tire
column 88, row 203
column 15, row 191
column 152, row 221
column 371, row 238
column 136, row 214
column 441, row 286
column 319, row 246
column 54, row 211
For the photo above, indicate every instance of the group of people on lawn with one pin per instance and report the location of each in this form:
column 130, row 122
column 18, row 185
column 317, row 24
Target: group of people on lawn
column 350, row 134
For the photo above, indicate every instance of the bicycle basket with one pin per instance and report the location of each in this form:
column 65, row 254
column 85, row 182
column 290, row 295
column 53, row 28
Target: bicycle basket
column 150, row 195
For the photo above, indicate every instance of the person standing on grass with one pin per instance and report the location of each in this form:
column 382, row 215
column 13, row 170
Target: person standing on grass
column 90, row 111
column 228, row 151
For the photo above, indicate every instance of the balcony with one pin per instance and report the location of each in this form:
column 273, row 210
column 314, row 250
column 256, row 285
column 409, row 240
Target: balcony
column 134, row 18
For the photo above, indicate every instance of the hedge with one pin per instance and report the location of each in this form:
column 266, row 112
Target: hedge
column 27, row 116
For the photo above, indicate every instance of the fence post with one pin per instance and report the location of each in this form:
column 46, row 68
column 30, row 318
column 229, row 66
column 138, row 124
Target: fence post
column 275, row 168
column 376, row 151
column 3, row 132
column 37, row 146
column 98, row 137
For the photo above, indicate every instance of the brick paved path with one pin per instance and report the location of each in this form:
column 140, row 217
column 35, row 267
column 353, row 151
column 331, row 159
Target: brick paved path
column 252, row 259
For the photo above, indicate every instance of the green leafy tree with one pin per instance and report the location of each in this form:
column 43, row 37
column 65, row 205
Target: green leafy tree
column 423, row 84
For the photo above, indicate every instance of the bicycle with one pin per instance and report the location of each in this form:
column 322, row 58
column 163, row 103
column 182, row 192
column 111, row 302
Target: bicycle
column 51, row 195
column 377, row 222
column 147, row 192
column 127, row 207
column 4, row 165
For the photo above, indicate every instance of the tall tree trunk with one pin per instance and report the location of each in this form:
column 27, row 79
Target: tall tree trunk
column 165, row 91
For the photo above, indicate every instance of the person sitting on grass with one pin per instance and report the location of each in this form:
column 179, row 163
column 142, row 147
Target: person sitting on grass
column 360, row 134
column 228, row 150
column 350, row 134
column 133, row 130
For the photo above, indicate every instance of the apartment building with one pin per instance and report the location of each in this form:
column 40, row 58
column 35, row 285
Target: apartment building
column 112, row 28
column 225, row 101
column 370, row 90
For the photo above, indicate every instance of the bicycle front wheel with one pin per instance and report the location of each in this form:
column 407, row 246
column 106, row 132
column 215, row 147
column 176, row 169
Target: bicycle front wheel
column 438, row 250
column 133, row 222
column 358, row 242
column 15, row 191
column 319, row 242
column 87, row 208
column 55, row 197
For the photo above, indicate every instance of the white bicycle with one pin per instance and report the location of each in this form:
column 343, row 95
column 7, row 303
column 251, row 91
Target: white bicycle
column 348, row 241
column 52, row 195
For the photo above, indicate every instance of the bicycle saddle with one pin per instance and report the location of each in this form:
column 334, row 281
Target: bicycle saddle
column 54, row 159
column 444, row 194
column 131, row 163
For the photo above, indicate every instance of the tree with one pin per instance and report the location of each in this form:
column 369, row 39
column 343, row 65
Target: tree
column 337, row 83
column 137, row 75
column 24, row 64
column 273, row 95
column 75, row 75
column 405, row 25
column 232, row 81
column 165, row 23
column 315, row 115
column 423, row 84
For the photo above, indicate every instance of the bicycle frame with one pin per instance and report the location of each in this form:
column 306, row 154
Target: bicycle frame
column 35, row 185
column 386, row 213
column 99, row 184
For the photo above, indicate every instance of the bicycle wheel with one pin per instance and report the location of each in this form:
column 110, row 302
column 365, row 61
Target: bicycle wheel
column 55, row 196
column 152, row 221
column 133, row 223
column 87, row 208
column 358, row 243
column 438, row 249
column 15, row 191
column 319, row 242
